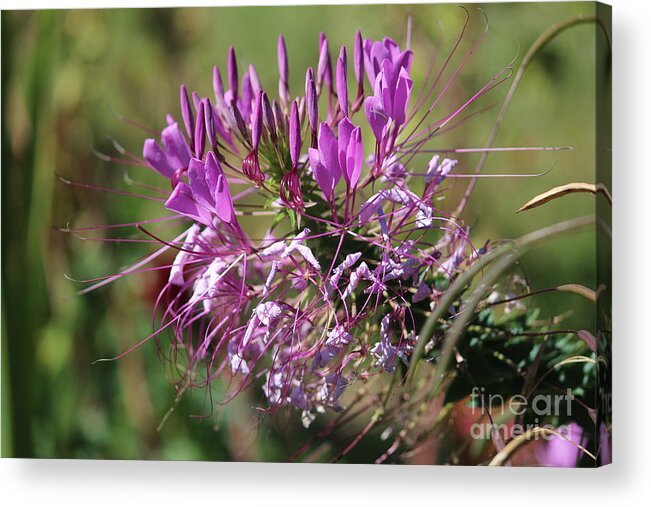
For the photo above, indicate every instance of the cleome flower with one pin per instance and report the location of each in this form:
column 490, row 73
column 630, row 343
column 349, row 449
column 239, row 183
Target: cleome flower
column 354, row 250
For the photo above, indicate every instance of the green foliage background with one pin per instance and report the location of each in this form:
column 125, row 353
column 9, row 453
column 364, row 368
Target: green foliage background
column 66, row 78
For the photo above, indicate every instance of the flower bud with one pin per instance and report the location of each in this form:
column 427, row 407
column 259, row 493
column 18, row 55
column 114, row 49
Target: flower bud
column 342, row 86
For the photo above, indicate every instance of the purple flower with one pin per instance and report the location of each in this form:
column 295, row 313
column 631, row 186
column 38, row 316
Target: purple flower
column 325, row 161
column 404, row 197
column 206, row 194
column 347, row 263
column 334, row 345
column 376, row 53
column 385, row 352
column 351, row 152
column 388, row 71
column 393, row 87
column 157, row 158
column 337, row 157
column 184, row 255
column 562, row 451
column 436, row 172
column 377, row 116
column 302, row 311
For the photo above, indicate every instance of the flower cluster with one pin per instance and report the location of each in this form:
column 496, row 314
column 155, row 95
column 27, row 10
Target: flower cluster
column 355, row 254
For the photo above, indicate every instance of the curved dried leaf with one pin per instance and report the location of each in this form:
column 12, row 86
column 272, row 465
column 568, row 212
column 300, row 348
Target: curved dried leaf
column 570, row 188
column 581, row 290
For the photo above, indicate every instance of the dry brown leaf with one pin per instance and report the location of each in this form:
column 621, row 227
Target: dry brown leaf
column 570, row 188
column 578, row 289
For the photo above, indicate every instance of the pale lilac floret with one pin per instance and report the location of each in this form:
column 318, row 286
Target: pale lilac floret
column 398, row 196
column 184, row 256
column 385, row 352
column 334, row 345
column 436, row 172
column 336, row 274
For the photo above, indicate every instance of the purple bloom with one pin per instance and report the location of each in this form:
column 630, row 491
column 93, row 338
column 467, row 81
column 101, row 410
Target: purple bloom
column 206, row 195
column 393, row 88
column 436, row 172
column 388, row 71
column 325, row 161
column 405, row 197
column 337, row 157
column 385, row 352
column 351, row 152
column 184, row 256
column 157, row 158
column 177, row 151
column 347, row 263
column 376, row 53
column 377, row 116
column 300, row 310
column 334, row 345
column 562, row 451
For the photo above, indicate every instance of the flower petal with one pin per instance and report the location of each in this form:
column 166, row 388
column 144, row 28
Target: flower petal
column 182, row 201
column 178, row 151
column 376, row 116
column 156, row 158
column 201, row 193
column 322, row 174
column 354, row 157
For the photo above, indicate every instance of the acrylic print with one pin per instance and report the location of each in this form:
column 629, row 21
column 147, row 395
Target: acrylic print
column 331, row 234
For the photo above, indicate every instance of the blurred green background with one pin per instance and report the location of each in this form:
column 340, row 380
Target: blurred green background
column 67, row 76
